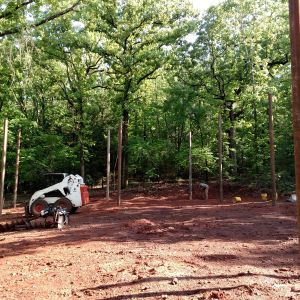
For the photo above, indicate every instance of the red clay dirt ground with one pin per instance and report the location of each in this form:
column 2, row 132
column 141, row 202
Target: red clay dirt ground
column 157, row 245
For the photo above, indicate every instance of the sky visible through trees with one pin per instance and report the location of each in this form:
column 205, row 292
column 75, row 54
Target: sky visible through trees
column 66, row 85
column 202, row 5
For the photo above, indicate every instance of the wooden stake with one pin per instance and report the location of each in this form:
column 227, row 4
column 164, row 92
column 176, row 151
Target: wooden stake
column 108, row 165
column 82, row 163
column 294, row 9
column 17, row 169
column 272, row 152
column 220, row 146
column 120, row 162
column 3, row 164
column 190, row 167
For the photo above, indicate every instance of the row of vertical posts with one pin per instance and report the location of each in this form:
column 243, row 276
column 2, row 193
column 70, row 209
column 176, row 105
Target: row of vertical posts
column 220, row 150
column 294, row 13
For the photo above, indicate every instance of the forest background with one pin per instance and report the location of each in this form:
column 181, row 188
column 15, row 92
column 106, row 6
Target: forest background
column 70, row 70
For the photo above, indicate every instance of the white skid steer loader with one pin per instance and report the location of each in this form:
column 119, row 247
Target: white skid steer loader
column 67, row 191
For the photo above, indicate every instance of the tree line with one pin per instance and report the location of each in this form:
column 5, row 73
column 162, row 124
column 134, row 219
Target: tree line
column 70, row 70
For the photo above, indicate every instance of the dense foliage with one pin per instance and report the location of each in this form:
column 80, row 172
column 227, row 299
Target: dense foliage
column 70, row 70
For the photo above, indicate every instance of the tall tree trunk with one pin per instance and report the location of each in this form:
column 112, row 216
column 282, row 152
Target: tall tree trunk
column 81, row 138
column 232, row 152
column 255, row 133
column 232, row 141
column 190, row 168
column 125, row 147
column 272, row 150
column 125, row 117
column 108, row 165
column 294, row 14
column 120, row 156
column 15, row 195
column 82, row 165
column 3, row 163
column 220, row 148
column 206, row 162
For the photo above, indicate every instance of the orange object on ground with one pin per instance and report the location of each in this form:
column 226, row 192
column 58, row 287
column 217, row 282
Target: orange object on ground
column 85, row 197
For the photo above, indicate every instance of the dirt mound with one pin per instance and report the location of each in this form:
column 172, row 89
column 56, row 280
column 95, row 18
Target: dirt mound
column 158, row 246
column 144, row 226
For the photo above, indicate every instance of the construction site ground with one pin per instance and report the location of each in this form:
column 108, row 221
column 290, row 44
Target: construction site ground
column 157, row 245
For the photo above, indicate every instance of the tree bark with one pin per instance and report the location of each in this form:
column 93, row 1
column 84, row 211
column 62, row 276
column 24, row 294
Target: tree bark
column 190, row 167
column 232, row 141
column 272, row 152
column 17, row 169
column 294, row 11
column 82, row 165
column 220, row 146
column 3, row 164
column 81, row 139
column 108, row 165
column 125, row 146
column 120, row 162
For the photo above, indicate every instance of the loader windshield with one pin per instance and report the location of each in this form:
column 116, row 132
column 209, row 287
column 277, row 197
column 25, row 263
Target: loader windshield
column 53, row 178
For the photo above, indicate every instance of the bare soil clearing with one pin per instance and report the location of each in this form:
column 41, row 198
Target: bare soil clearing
column 157, row 245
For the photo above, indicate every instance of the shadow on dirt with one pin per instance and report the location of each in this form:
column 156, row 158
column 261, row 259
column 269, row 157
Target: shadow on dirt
column 169, row 280
column 170, row 220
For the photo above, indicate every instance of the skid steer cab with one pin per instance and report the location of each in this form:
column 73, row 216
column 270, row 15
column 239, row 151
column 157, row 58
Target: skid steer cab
column 62, row 190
